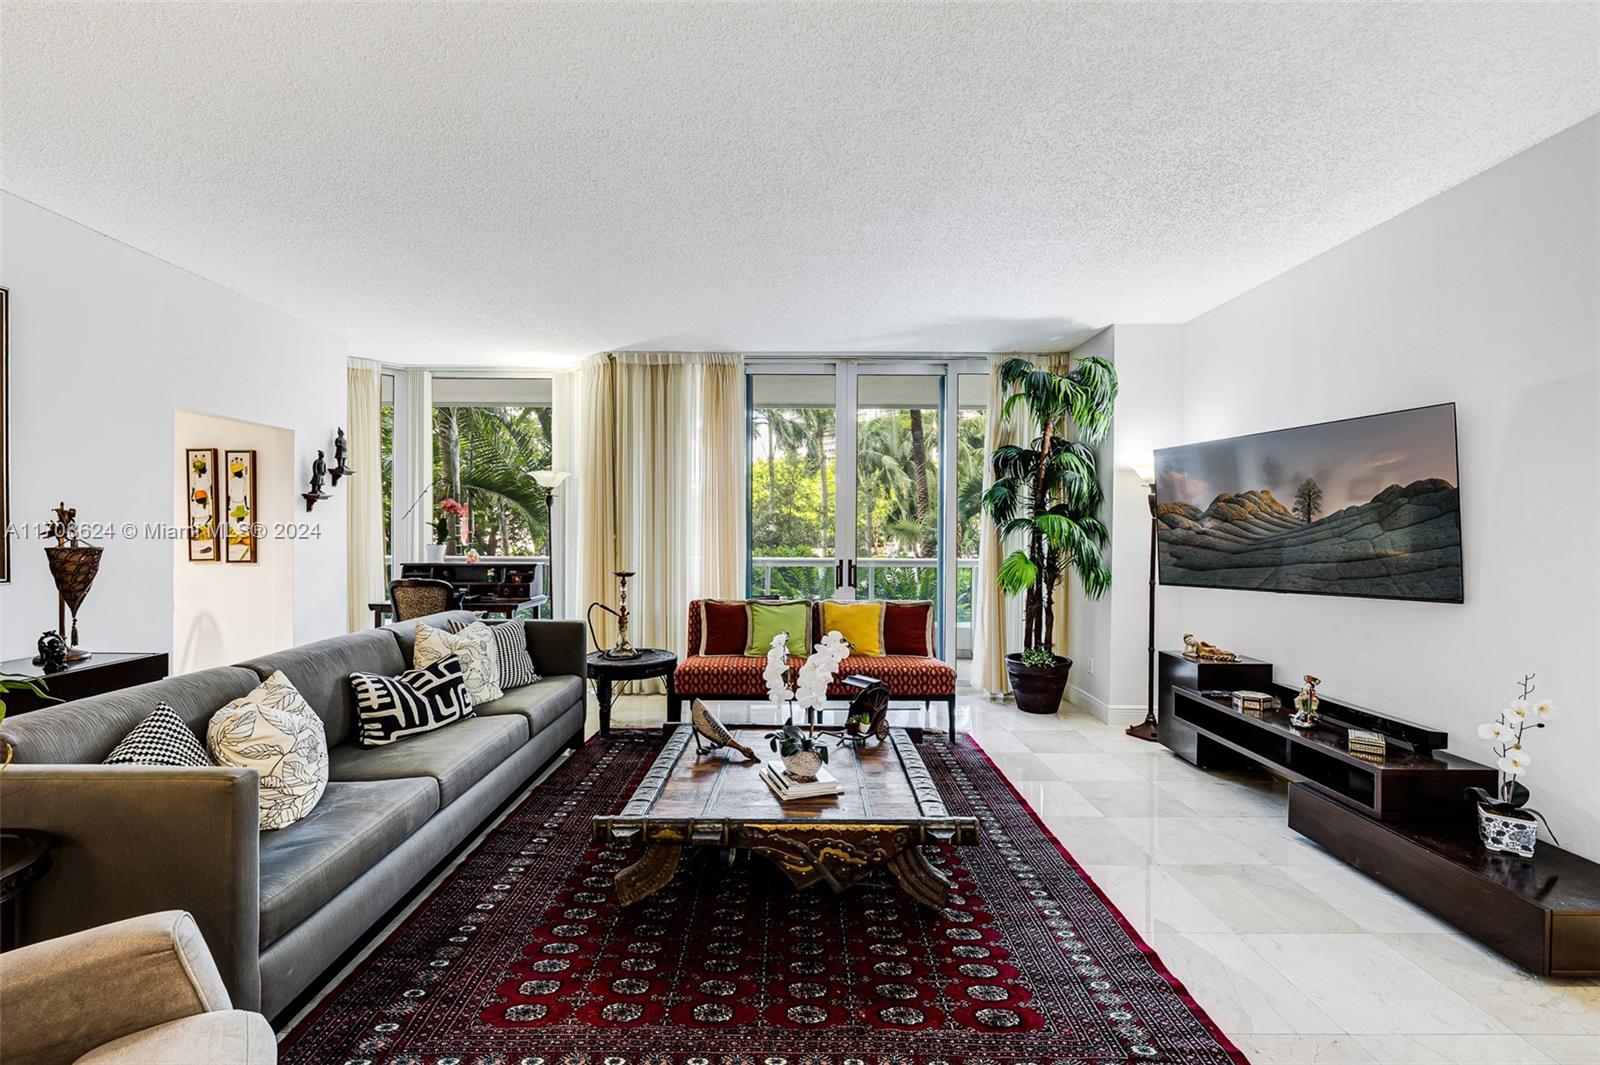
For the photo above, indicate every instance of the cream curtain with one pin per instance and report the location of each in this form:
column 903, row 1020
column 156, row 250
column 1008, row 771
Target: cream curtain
column 996, row 619
column 364, row 577
column 660, row 457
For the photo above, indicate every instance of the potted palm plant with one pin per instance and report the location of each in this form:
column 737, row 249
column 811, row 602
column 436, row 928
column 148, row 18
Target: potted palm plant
column 1048, row 492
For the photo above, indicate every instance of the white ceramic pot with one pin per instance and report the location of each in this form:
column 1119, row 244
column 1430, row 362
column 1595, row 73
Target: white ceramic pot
column 802, row 765
column 433, row 552
column 1506, row 833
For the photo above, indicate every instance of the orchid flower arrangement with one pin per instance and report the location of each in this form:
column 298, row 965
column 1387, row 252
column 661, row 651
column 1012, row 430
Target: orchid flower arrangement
column 810, row 690
column 1505, row 735
column 776, row 674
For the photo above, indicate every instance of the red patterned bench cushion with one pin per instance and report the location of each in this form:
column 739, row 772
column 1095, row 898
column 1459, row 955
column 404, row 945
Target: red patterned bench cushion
column 907, row 676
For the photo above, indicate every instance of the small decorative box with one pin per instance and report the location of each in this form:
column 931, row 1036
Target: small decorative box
column 1250, row 702
column 1364, row 744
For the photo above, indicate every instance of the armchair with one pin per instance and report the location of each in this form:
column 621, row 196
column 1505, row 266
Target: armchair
column 136, row 991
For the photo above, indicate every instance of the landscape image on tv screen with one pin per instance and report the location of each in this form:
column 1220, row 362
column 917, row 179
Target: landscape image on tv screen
column 1366, row 506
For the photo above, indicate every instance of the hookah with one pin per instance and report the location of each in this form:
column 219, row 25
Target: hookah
column 622, row 648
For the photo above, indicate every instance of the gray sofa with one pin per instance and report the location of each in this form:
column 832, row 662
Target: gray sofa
column 277, row 908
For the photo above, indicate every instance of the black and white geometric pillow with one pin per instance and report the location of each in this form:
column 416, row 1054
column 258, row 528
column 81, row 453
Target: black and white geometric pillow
column 421, row 700
column 511, row 647
column 160, row 739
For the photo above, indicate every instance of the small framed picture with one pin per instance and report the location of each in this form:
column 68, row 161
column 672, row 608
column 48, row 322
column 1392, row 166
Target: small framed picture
column 200, row 464
column 239, row 506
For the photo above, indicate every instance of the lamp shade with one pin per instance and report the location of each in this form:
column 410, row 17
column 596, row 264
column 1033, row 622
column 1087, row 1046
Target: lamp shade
column 549, row 479
column 1145, row 471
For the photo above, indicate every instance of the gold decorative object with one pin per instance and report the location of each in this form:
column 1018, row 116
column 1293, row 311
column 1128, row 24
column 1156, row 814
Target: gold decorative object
column 714, row 734
column 73, row 565
column 622, row 648
column 1200, row 651
column 1371, row 746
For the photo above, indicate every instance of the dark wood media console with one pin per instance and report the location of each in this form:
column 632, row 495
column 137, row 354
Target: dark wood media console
column 1403, row 821
column 1543, row 913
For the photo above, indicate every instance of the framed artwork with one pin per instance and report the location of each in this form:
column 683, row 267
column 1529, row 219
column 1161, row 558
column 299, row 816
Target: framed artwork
column 239, row 504
column 1366, row 507
column 200, row 464
column 5, row 436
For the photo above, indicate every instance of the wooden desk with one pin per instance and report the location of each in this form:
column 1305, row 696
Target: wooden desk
column 482, row 604
column 104, row 671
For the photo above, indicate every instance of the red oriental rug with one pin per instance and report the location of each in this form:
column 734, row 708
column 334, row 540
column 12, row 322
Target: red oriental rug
column 523, row 955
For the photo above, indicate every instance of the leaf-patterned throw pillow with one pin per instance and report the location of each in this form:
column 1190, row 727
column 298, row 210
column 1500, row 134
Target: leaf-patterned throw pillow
column 474, row 645
column 274, row 731
column 511, row 648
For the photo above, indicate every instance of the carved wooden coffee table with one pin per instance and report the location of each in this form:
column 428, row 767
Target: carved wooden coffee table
column 888, row 809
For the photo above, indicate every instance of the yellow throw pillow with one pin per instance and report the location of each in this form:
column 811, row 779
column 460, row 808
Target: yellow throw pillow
column 859, row 623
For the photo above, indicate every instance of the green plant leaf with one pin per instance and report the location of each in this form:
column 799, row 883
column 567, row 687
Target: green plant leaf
column 1018, row 573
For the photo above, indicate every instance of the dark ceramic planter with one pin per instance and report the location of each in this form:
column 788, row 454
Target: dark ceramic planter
column 1038, row 688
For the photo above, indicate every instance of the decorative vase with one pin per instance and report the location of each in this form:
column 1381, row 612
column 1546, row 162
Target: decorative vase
column 433, row 552
column 802, row 765
column 1038, row 688
column 1507, row 832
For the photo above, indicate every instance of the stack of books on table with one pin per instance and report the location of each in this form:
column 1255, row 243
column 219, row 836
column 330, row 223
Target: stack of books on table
column 1254, row 702
column 787, row 788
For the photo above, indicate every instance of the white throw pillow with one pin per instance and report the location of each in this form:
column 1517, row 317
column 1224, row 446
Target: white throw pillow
column 274, row 731
column 474, row 645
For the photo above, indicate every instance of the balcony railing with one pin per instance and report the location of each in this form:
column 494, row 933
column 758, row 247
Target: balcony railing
column 876, row 578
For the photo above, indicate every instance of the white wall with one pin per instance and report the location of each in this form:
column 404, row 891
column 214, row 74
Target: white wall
column 1112, row 634
column 225, row 612
column 1486, row 296
column 107, row 344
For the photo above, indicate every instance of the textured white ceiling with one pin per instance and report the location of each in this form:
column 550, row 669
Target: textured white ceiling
column 512, row 183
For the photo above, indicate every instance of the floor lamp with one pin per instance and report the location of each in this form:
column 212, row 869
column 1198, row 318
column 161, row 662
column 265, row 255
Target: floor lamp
column 550, row 480
column 1146, row 729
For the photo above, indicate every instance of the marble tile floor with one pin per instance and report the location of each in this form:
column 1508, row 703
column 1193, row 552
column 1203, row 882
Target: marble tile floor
column 1299, row 958
column 1296, row 956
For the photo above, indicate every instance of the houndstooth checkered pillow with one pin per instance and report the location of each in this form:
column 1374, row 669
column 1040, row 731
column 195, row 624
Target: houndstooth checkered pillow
column 511, row 648
column 160, row 739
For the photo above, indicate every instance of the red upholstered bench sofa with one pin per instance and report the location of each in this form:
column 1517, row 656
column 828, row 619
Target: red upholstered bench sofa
column 909, row 668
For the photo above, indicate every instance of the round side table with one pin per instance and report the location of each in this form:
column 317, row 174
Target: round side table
column 648, row 663
column 24, row 858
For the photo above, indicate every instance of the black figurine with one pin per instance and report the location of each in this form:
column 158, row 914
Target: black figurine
column 52, row 652
column 341, row 450
column 319, row 470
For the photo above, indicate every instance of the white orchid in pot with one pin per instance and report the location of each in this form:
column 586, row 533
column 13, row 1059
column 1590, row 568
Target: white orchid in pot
column 1504, row 822
column 803, row 753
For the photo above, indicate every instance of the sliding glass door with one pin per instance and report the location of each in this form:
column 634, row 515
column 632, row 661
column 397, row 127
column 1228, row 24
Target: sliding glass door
column 852, row 493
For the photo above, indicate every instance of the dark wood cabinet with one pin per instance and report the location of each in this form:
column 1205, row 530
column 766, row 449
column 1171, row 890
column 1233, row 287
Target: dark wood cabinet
column 104, row 671
column 1541, row 912
column 1409, row 783
column 1175, row 671
column 501, row 585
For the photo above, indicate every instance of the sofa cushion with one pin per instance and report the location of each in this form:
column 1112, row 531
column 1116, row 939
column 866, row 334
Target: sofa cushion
column 511, row 651
column 769, row 619
column 724, row 627
column 541, row 702
column 85, row 730
column 355, row 825
column 456, row 757
column 908, row 628
column 273, row 731
column 861, row 625
column 736, row 675
column 473, row 645
column 417, row 701
column 321, row 672
column 405, row 632
column 160, row 739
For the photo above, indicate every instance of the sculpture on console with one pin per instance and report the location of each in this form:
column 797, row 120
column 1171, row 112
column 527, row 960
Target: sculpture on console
column 1200, row 651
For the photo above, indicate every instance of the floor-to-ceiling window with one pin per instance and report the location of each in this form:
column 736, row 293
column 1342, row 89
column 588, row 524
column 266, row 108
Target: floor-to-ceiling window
column 489, row 435
column 852, row 493
column 386, row 450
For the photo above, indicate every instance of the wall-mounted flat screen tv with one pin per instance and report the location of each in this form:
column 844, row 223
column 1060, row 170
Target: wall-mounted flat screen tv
column 1365, row 507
